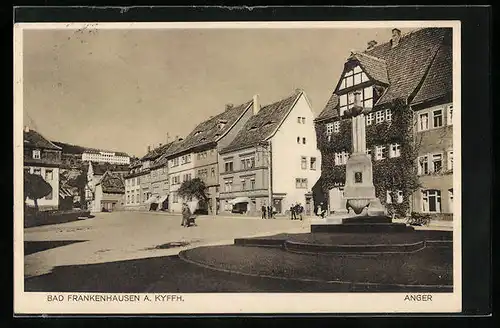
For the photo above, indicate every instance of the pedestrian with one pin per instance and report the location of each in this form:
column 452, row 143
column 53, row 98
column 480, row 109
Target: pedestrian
column 293, row 215
column 263, row 209
column 186, row 214
column 269, row 212
column 300, row 210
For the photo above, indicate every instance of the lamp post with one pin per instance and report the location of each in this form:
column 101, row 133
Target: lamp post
column 268, row 150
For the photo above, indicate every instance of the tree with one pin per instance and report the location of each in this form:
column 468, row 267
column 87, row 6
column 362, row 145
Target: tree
column 194, row 188
column 79, row 182
column 35, row 187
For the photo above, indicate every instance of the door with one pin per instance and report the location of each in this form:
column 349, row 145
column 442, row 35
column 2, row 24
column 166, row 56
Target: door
column 337, row 201
column 277, row 205
column 308, row 207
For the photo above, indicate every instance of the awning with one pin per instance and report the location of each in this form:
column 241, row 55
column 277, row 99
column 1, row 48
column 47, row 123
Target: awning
column 64, row 192
column 240, row 200
column 162, row 198
column 152, row 199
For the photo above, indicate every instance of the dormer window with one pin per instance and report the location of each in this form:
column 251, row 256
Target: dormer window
column 252, row 128
column 353, row 77
column 268, row 123
column 197, row 133
column 36, row 154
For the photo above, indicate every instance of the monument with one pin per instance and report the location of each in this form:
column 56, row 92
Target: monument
column 359, row 191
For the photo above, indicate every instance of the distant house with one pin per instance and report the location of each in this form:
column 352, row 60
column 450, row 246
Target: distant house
column 42, row 157
column 285, row 130
column 109, row 193
column 104, row 156
column 95, row 172
column 197, row 155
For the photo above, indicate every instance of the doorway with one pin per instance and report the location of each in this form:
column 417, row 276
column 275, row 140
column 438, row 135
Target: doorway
column 336, row 199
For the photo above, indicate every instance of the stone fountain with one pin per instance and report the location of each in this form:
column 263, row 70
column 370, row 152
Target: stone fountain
column 367, row 214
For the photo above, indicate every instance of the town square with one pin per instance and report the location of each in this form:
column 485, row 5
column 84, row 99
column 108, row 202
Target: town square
column 234, row 160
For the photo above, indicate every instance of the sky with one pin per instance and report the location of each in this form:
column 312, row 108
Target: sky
column 125, row 90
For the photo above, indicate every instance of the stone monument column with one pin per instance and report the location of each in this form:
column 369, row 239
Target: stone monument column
column 359, row 190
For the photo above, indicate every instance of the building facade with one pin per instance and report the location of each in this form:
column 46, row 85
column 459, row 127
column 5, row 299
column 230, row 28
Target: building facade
column 109, row 193
column 279, row 135
column 103, row 156
column 43, row 158
column 197, row 155
column 405, row 88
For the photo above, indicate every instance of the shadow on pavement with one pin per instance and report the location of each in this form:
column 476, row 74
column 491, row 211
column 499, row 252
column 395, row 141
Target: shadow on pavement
column 31, row 247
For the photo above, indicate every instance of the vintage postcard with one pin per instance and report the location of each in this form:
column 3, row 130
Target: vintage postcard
column 244, row 167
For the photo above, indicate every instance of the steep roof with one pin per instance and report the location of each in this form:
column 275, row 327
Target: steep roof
column 260, row 127
column 210, row 131
column 112, row 183
column 163, row 158
column 409, row 61
column 156, row 152
column 415, row 68
column 101, row 168
column 439, row 81
column 36, row 140
column 374, row 67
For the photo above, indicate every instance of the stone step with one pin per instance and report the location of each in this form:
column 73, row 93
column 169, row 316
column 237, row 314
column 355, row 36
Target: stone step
column 361, row 227
column 367, row 219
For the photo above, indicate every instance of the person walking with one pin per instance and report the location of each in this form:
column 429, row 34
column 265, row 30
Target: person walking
column 186, row 214
column 263, row 209
column 300, row 210
column 293, row 215
column 269, row 212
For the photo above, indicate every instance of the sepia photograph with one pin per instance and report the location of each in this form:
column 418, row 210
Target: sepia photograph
column 237, row 167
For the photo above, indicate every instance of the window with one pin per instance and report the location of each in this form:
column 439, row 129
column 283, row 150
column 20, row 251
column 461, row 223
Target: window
column 138, row 198
column 395, row 150
column 450, row 160
column 228, row 185
column 301, row 183
column 388, row 115
column 437, row 116
column 336, row 127
column 347, row 100
column 299, row 120
column 298, row 140
column 437, row 162
column 423, row 122
column 252, row 183
column 379, row 116
column 380, row 152
column 247, row 163
column 431, row 201
column 212, row 172
column 49, row 175
column 353, row 77
column 329, row 129
column 138, row 180
column 133, row 198
column 228, row 166
column 341, row 158
column 175, row 180
column 243, row 184
column 128, row 199
column 175, row 197
column 369, row 119
column 303, row 120
column 369, row 152
column 304, row 141
column 449, row 115
column 423, row 165
column 36, row 154
column 37, row 171
column 303, row 163
column 313, row 163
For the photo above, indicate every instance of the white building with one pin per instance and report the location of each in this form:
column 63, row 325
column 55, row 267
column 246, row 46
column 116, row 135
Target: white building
column 95, row 155
column 286, row 130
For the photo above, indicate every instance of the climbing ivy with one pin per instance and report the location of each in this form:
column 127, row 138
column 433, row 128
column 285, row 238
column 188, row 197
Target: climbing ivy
column 389, row 174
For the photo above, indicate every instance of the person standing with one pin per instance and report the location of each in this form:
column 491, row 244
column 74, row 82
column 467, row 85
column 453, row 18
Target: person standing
column 300, row 210
column 186, row 214
column 292, row 213
column 263, row 209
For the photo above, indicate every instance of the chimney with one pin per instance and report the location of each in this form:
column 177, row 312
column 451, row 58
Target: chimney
column 396, row 36
column 168, row 137
column 160, row 145
column 26, row 129
column 149, row 149
column 229, row 106
column 371, row 44
column 256, row 104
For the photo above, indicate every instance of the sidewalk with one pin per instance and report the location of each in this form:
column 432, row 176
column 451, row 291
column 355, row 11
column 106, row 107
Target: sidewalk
column 225, row 216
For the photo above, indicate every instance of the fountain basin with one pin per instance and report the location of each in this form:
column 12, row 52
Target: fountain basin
column 358, row 205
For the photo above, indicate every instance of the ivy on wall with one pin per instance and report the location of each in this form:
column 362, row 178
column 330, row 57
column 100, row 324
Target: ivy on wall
column 389, row 174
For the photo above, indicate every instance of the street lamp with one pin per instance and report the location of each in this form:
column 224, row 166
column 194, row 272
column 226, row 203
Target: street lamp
column 268, row 149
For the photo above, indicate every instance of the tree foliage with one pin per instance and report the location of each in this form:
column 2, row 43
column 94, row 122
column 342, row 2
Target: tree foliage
column 194, row 188
column 35, row 187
